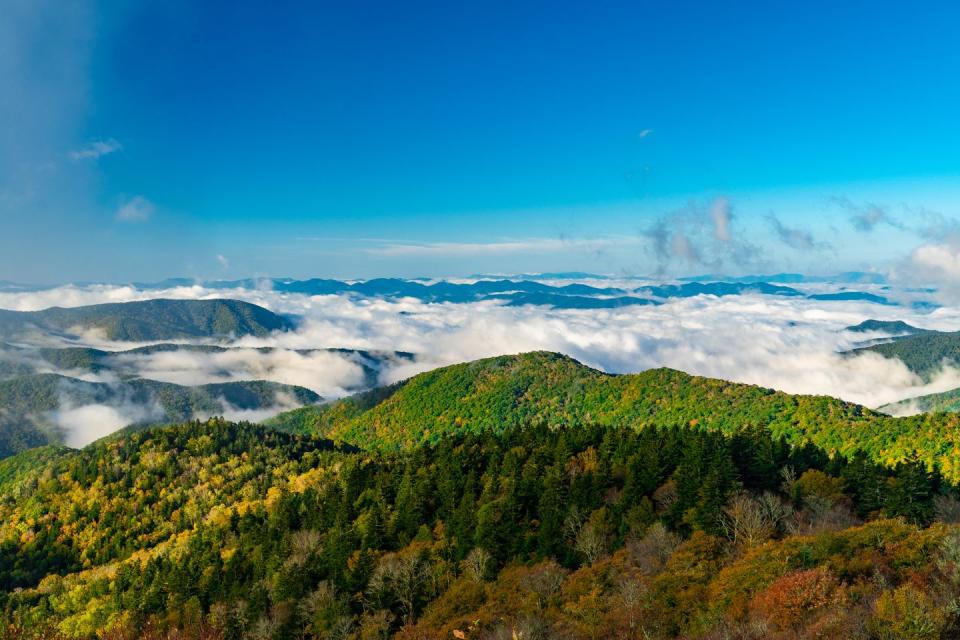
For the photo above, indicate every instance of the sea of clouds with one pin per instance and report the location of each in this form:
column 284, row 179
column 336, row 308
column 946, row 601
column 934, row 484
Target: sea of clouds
column 792, row 344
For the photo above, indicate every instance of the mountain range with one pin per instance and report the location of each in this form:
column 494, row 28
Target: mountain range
column 530, row 290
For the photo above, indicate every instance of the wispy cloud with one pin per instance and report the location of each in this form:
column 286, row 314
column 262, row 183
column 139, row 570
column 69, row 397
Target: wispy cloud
column 644, row 133
column 795, row 238
column 135, row 209
column 866, row 216
column 223, row 261
column 96, row 149
column 700, row 234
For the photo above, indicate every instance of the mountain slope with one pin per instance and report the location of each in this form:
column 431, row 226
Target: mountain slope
column 16, row 360
column 148, row 320
column 944, row 402
column 892, row 327
column 556, row 391
column 30, row 404
column 924, row 353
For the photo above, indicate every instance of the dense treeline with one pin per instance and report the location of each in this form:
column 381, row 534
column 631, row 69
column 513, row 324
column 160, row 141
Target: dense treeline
column 233, row 531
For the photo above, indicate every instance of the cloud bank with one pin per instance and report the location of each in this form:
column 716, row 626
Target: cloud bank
column 790, row 343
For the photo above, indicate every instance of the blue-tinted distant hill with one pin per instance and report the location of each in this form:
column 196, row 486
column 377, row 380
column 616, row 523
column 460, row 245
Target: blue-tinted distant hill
column 534, row 290
column 851, row 296
column 573, row 302
column 530, row 291
column 691, row 289
column 891, row 327
column 847, row 277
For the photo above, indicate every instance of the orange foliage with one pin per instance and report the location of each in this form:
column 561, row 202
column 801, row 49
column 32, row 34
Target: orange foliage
column 790, row 600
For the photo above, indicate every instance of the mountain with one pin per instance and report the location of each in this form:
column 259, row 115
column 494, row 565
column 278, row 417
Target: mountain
column 892, row 327
column 852, row 295
column 31, row 404
column 691, row 289
column 148, row 320
column 571, row 302
column 531, row 289
column 16, row 360
column 924, row 353
column 549, row 389
column 848, row 277
column 944, row 402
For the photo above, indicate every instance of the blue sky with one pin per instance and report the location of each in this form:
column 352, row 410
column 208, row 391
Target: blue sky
column 363, row 139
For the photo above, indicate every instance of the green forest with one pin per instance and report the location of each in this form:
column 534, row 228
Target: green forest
column 147, row 320
column 679, row 508
column 924, row 353
column 554, row 390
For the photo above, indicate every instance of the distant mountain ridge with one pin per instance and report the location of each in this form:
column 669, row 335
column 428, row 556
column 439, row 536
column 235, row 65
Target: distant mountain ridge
column 892, row 327
column 523, row 292
column 16, row 360
column 532, row 289
column 847, row 277
column 148, row 320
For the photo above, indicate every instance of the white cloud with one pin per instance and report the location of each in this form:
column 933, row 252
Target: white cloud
column 223, row 260
column 644, row 133
column 135, row 209
column 936, row 265
column 939, row 260
column 330, row 374
column 84, row 424
column 282, row 402
column 785, row 343
column 96, row 149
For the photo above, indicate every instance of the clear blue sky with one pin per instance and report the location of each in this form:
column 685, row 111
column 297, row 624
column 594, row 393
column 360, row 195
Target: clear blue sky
column 382, row 138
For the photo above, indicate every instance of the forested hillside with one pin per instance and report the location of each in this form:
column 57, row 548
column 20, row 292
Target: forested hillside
column 946, row 401
column 18, row 360
column 215, row 530
column 30, row 404
column 147, row 320
column 554, row 390
column 924, row 353
column 891, row 327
